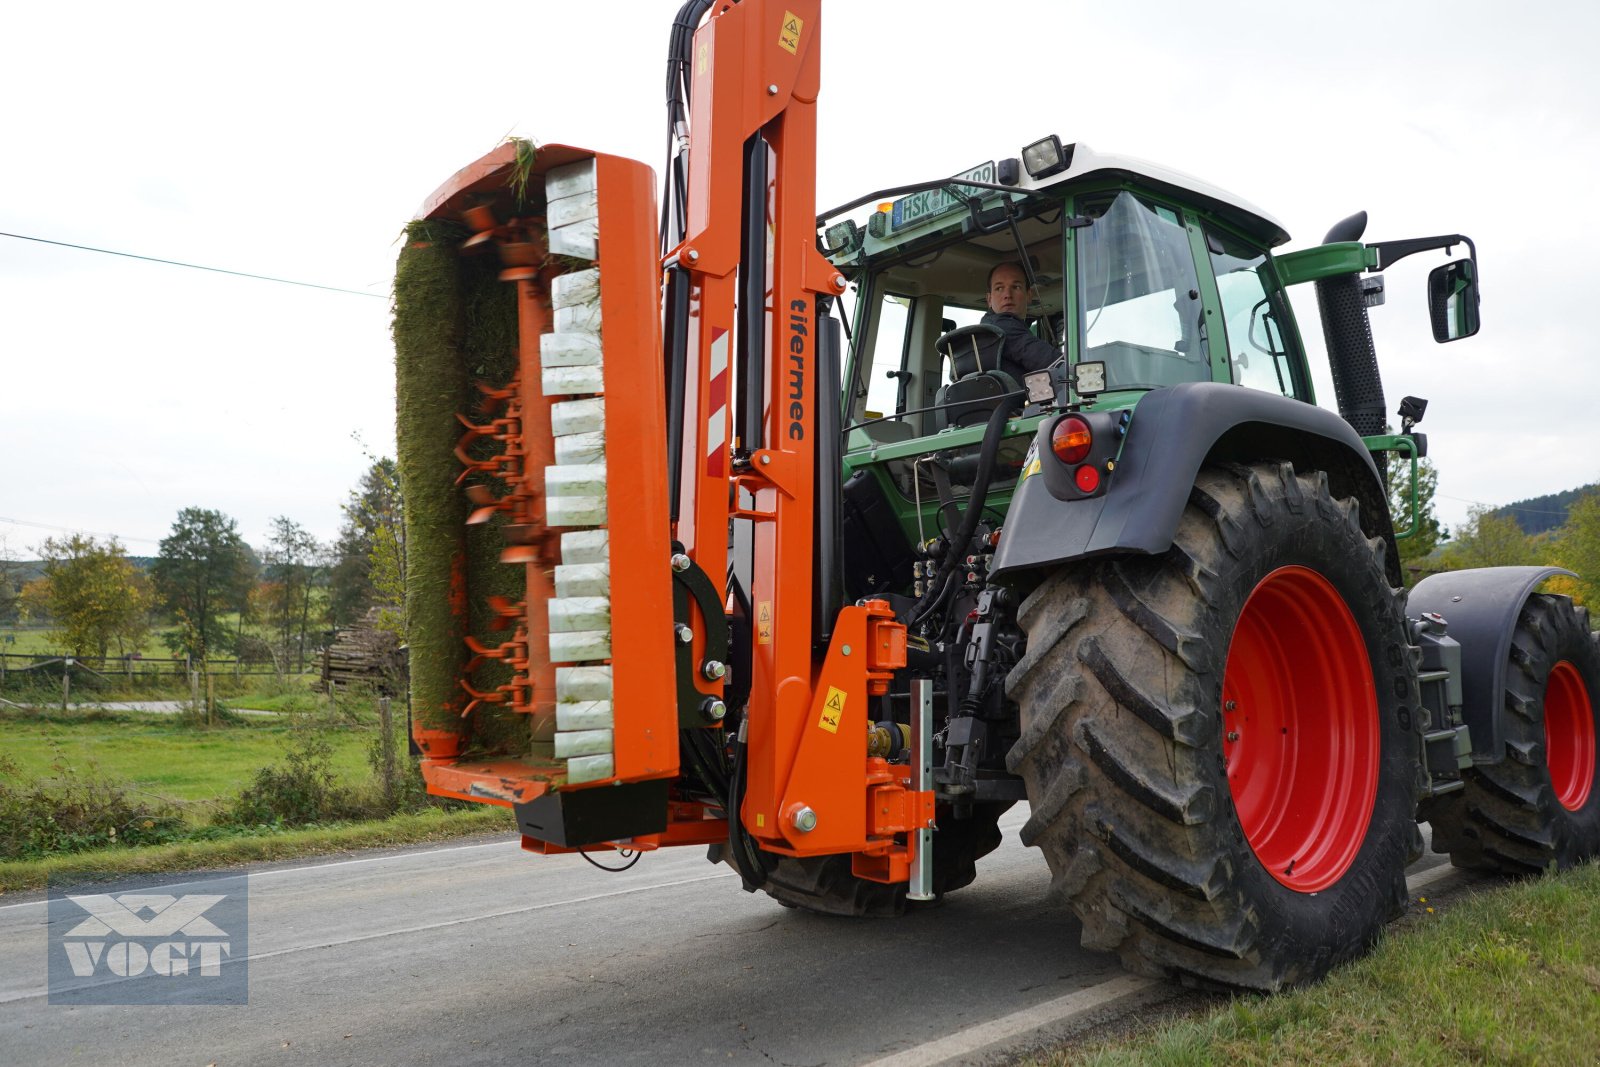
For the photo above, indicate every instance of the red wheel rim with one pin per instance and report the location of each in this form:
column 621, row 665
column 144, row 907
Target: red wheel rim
column 1569, row 736
column 1300, row 729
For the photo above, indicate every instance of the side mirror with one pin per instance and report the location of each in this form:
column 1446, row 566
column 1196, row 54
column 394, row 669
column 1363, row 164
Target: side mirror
column 1453, row 300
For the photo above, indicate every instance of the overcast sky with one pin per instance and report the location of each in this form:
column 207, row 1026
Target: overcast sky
column 294, row 140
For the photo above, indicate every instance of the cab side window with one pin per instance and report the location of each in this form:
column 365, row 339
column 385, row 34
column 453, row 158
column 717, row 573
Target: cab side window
column 1251, row 309
column 1140, row 295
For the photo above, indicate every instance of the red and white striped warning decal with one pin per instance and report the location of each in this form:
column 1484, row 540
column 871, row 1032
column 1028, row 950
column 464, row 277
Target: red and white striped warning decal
column 717, row 421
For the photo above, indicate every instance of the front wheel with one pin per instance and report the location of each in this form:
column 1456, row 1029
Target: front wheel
column 1540, row 805
column 1219, row 743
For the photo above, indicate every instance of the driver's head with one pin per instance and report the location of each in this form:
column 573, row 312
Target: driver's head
column 1008, row 290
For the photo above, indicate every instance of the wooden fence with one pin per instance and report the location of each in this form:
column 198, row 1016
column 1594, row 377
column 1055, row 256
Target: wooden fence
column 28, row 671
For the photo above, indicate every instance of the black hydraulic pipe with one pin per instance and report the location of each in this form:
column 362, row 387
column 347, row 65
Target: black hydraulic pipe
column 825, row 596
column 993, row 434
column 751, row 323
column 677, row 364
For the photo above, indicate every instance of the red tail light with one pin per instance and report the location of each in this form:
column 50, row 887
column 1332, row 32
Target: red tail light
column 1071, row 439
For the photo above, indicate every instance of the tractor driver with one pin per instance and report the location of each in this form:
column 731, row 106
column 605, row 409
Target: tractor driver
column 1009, row 296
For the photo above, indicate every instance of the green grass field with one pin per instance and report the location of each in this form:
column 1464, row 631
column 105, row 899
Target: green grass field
column 162, row 756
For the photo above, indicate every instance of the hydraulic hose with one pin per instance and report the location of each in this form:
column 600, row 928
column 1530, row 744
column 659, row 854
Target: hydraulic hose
column 993, row 433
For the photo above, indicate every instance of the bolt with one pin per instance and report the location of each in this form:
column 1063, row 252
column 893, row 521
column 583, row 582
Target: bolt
column 713, row 670
column 713, row 709
column 765, row 459
column 772, row 90
column 685, row 635
column 680, row 562
column 1233, row 735
column 1230, row 705
column 805, row 820
column 845, row 650
column 692, row 256
column 839, row 281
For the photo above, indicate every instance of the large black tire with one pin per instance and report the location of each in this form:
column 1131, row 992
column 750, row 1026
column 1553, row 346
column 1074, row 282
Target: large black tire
column 1125, row 739
column 1521, row 815
column 825, row 885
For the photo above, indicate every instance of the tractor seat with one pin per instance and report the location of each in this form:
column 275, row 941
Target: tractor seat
column 976, row 381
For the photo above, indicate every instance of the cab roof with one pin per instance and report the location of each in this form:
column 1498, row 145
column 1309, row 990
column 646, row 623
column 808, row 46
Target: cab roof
column 1087, row 163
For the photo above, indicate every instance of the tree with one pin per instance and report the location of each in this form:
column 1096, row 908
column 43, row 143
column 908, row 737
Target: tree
column 294, row 567
column 203, row 569
column 369, row 557
column 10, row 584
column 1420, row 545
column 1577, row 548
column 93, row 594
column 1489, row 540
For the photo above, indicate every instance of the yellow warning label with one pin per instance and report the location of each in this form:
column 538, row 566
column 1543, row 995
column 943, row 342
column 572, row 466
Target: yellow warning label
column 761, row 820
column 764, row 623
column 1033, row 468
column 700, row 59
column 789, row 38
column 832, row 711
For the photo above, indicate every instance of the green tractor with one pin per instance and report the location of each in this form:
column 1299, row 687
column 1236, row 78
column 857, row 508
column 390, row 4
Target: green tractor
column 1159, row 586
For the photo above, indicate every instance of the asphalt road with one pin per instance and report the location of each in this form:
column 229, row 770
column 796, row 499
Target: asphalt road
column 479, row 953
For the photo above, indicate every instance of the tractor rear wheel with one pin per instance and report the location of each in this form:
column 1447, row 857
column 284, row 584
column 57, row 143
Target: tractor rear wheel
column 1218, row 742
column 1540, row 805
column 826, row 885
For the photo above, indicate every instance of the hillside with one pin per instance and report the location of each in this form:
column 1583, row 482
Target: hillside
column 1539, row 514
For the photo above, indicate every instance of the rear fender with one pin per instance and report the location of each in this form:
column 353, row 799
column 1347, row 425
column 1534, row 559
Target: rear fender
column 1173, row 433
column 1481, row 607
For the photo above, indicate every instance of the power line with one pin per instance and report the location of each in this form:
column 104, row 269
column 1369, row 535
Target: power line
column 4, row 520
column 191, row 266
column 1499, row 507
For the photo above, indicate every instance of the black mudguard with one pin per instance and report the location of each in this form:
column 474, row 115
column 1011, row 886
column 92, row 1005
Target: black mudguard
column 1481, row 607
column 1173, row 433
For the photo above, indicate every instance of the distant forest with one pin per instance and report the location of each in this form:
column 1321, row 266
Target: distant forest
column 1540, row 514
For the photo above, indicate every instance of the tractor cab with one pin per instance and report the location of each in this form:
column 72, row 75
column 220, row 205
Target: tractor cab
column 1155, row 276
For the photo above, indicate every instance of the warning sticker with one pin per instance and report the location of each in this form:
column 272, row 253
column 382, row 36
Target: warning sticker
column 832, row 711
column 764, row 623
column 789, row 38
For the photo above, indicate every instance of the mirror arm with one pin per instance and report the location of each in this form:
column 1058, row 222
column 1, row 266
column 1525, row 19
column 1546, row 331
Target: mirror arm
column 1391, row 252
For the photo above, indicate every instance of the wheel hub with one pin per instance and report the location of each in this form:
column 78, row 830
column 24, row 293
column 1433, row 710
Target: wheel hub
column 1300, row 729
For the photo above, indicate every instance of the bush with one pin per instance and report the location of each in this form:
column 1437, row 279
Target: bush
column 298, row 792
column 75, row 812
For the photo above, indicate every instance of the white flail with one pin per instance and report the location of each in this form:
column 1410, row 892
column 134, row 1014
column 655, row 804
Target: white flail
column 575, row 510
column 580, row 646
column 574, row 179
column 575, row 287
column 580, row 240
column 582, row 769
column 579, row 207
column 585, row 546
column 569, row 614
column 578, row 416
column 582, row 743
column 575, row 479
column 571, row 381
column 583, row 579
column 584, row 715
column 581, row 684
column 578, row 318
column 572, row 210
column 569, row 350
column 581, row 448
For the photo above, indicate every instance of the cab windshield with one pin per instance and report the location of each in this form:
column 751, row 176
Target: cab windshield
column 907, row 304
